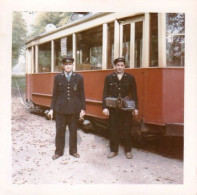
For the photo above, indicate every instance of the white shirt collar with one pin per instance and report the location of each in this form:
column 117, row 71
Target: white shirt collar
column 119, row 73
column 68, row 73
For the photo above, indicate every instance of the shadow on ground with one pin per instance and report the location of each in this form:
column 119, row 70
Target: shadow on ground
column 171, row 147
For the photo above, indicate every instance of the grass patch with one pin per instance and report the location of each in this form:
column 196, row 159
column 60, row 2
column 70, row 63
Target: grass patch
column 20, row 81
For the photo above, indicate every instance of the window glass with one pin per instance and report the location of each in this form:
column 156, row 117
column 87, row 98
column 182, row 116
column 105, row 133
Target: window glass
column 153, row 39
column 33, row 56
column 89, row 49
column 175, row 50
column 110, row 52
column 126, row 44
column 175, row 23
column 96, row 57
column 138, row 44
column 63, row 48
column 69, row 46
column 175, row 39
column 44, row 57
column 57, row 56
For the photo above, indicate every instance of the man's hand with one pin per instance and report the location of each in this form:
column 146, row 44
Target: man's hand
column 50, row 114
column 135, row 112
column 106, row 112
column 82, row 114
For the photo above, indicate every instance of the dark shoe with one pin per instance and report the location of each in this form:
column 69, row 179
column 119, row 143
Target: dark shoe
column 129, row 155
column 55, row 156
column 112, row 154
column 75, row 155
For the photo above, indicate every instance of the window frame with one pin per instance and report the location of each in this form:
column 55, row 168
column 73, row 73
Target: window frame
column 132, row 22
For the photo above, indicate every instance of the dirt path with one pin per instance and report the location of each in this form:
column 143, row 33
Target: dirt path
column 33, row 146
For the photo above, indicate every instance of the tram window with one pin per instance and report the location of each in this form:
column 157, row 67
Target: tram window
column 175, row 39
column 89, row 49
column 57, row 56
column 69, row 46
column 126, row 44
column 153, row 39
column 110, row 46
column 33, row 65
column 138, row 44
column 44, row 57
column 59, row 53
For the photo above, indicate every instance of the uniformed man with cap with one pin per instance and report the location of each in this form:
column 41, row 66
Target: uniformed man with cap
column 120, row 84
column 68, row 102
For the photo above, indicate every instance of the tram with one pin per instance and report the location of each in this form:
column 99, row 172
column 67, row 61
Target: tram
column 152, row 45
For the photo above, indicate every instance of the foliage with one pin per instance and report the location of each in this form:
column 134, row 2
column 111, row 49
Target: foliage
column 19, row 83
column 19, row 36
column 176, row 23
column 175, row 47
column 43, row 18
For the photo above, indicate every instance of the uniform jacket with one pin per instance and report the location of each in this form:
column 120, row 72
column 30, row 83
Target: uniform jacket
column 114, row 87
column 68, row 97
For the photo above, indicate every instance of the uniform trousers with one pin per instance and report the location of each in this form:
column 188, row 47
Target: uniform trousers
column 62, row 120
column 120, row 125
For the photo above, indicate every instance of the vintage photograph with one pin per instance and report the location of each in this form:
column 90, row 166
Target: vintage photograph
column 147, row 50
column 98, row 98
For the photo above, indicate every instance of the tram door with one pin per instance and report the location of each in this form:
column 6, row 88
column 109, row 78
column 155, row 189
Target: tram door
column 131, row 39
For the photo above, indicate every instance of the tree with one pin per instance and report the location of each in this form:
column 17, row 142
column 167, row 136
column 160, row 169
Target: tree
column 176, row 23
column 44, row 18
column 19, row 36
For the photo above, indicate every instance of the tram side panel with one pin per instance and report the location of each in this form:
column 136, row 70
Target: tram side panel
column 29, row 87
column 161, row 100
column 39, row 88
column 149, row 89
column 153, row 106
column 94, row 83
column 160, row 93
column 173, row 95
column 173, row 104
column 139, row 75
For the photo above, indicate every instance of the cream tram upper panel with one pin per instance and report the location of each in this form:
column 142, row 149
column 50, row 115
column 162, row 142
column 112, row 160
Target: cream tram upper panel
column 82, row 25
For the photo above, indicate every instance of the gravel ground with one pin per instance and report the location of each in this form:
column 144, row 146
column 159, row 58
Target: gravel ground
column 33, row 146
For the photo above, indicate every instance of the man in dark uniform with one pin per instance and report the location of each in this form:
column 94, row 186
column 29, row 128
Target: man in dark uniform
column 120, row 84
column 68, row 102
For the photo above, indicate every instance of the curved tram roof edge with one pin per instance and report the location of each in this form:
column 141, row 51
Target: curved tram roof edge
column 69, row 24
column 84, row 19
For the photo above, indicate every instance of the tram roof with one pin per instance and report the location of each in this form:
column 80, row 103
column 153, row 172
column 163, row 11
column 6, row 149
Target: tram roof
column 89, row 16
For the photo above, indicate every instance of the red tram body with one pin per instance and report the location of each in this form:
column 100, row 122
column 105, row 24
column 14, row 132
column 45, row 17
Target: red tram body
column 160, row 92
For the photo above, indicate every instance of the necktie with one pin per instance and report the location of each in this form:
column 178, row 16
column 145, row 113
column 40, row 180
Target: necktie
column 68, row 77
